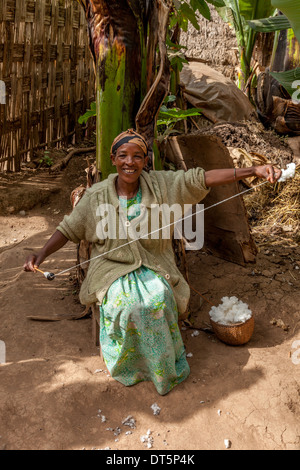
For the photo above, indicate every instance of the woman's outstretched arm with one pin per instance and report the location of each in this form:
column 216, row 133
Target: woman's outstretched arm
column 229, row 175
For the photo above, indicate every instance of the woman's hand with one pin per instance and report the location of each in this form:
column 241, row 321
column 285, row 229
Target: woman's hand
column 32, row 261
column 57, row 241
column 268, row 172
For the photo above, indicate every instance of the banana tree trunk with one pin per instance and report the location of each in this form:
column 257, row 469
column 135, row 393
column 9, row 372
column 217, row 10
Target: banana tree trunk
column 286, row 54
column 274, row 104
column 124, row 35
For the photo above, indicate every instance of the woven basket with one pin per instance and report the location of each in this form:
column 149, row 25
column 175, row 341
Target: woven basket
column 235, row 335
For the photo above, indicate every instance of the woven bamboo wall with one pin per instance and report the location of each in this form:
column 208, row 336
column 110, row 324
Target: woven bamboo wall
column 47, row 69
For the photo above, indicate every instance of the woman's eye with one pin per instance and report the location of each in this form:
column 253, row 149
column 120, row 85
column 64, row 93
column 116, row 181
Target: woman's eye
column 136, row 157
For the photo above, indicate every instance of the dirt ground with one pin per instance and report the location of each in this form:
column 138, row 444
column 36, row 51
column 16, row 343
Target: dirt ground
column 55, row 390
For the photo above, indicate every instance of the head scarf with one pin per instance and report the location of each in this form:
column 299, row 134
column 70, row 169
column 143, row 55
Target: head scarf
column 129, row 136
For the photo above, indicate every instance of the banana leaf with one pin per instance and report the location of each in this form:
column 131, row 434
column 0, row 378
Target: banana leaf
column 237, row 13
column 290, row 80
column 255, row 9
column 177, row 114
column 269, row 25
column 202, row 7
column 216, row 3
column 246, row 10
column 291, row 9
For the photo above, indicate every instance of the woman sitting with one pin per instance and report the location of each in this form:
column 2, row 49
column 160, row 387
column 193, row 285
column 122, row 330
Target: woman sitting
column 135, row 280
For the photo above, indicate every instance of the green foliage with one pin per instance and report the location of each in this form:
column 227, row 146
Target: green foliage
column 289, row 20
column 254, row 9
column 291, row 9
column 238, row 13
column 169, row 99
column 216, row 3
column 168, row 117
column 46, row 160
column 202, row 7
column 185, row 12
column 182, row 14
column 176, row 56
column 251, row 16
column 290, row 80
column 89, row 113
column 269, row 25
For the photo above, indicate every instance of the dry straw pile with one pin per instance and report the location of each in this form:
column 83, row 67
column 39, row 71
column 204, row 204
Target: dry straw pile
column 274, row 212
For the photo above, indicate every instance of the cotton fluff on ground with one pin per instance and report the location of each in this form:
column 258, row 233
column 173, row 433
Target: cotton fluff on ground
column 231, row 310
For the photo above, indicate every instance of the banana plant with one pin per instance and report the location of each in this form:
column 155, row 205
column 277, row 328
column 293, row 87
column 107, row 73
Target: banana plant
column 124, row 36
column 128, row 41
column 290, row 79
column 270, row 25
column 277, row 94
column 286, row 26
column 284, row 38
column 237, row 13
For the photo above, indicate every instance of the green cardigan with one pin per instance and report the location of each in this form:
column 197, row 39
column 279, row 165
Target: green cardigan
column 158, row 187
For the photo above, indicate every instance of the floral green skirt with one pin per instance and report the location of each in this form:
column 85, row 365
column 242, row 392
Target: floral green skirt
column 139, row 334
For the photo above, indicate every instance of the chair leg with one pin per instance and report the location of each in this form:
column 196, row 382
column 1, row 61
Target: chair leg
column 95, row 324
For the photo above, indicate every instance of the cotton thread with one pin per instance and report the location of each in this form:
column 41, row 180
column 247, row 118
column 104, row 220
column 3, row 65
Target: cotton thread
column 162, row 228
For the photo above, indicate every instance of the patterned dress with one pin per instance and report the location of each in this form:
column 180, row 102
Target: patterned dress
column 139, row 334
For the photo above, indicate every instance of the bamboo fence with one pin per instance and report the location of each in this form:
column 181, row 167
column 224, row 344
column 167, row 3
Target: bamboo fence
column 46, row 72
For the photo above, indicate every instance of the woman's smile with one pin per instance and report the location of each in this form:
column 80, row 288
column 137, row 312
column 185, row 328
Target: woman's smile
column 129, row 171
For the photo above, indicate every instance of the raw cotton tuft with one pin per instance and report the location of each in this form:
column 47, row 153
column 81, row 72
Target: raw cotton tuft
column 230, row 311
column 288, row 173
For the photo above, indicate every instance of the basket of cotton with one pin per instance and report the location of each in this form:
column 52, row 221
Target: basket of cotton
column 232, row 321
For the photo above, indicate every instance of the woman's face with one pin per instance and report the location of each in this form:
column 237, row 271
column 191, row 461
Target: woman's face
column 130, row 161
